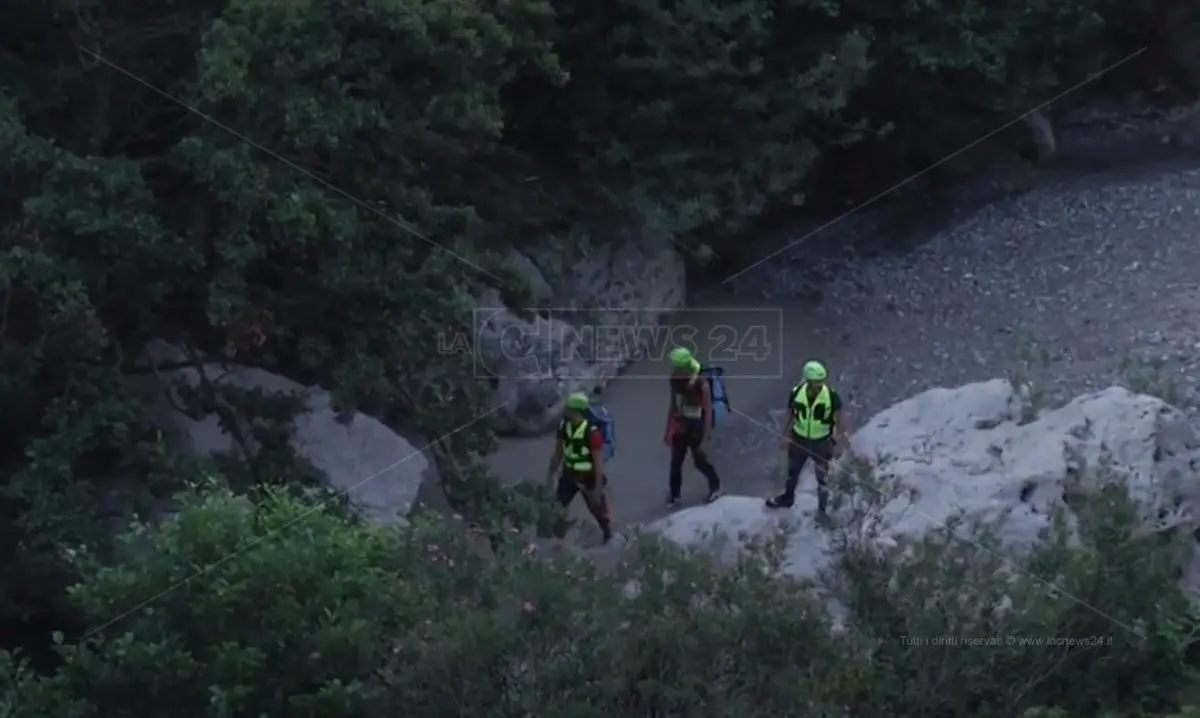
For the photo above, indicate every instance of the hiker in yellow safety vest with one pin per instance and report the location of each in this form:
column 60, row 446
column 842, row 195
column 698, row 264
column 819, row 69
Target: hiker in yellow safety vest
column 817, row 427
column 578, row 463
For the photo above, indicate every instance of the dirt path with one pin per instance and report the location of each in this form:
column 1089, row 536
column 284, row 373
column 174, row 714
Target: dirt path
column 772, row 340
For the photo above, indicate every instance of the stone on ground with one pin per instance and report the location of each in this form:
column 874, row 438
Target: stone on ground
column 965, row 450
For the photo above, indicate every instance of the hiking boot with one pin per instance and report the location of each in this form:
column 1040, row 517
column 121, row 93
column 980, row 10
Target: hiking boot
column 782, row 501
column 713, row 496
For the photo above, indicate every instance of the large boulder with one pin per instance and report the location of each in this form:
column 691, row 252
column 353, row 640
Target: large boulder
column 378, row 470
column 965, row 450
column 579, row 334
column 1041, row 136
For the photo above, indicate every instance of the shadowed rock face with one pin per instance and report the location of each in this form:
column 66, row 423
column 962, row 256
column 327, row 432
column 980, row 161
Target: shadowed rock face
column 579, row 335
column 966, row 450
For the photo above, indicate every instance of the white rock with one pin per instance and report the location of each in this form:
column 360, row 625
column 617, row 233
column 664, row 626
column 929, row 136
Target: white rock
column 964, row 450
column 380, row 471
column 726, row 524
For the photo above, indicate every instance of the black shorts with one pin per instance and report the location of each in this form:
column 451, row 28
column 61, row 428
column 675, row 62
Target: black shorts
column 571, row 483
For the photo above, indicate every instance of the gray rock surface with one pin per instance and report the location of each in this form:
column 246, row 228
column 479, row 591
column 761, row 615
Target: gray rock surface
column 580, row 334
column 967, row 450
column 376, row 468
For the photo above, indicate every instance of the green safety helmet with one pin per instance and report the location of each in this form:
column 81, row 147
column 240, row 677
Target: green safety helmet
column 814, row 371
column 681, row 357
column 578, row 401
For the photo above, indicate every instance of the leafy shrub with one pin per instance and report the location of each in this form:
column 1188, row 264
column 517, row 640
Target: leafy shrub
column 275, row 608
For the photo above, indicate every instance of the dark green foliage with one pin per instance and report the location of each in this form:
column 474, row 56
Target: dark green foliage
column 318, row 189
column 310, row 242
column 962, row 68
column 316, row 615
column 717, row 109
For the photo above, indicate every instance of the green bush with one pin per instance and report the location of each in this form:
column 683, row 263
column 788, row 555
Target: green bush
column 274, row 608
column 320, row 189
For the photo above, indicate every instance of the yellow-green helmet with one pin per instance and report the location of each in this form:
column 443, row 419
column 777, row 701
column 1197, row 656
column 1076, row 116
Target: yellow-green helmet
column 814, row 371
column 578, row 401
column 681, row 358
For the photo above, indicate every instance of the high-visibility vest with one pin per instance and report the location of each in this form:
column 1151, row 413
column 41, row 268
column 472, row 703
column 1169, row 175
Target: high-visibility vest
column 814, row 420
column 577, row 445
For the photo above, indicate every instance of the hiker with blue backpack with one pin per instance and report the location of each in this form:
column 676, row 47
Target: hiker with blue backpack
column 584, row 438
column 691, row 414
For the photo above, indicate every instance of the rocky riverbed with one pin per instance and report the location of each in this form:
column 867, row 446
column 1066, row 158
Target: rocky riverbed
column 1092, row 275
column 1090, row 278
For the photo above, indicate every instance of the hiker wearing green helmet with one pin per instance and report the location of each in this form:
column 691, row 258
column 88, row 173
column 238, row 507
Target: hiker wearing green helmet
column 817, row 423
column 689, row 424
column 578, row 464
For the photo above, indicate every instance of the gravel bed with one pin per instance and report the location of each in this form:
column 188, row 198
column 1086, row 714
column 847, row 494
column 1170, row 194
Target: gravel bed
column 1076, row 284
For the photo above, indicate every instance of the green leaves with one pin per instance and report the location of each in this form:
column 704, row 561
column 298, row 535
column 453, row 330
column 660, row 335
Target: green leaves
column 681, row 97
column 279, row 607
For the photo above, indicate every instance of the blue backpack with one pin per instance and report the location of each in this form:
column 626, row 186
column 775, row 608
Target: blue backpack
column 599, row 417
column 716, row 386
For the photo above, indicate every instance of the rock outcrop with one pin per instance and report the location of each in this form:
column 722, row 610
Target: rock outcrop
column 1041, row 136
column 379, row 470
column 589, row 320
column 966, row 450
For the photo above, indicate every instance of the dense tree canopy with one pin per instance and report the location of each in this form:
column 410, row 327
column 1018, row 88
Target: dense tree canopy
column 316, row 189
